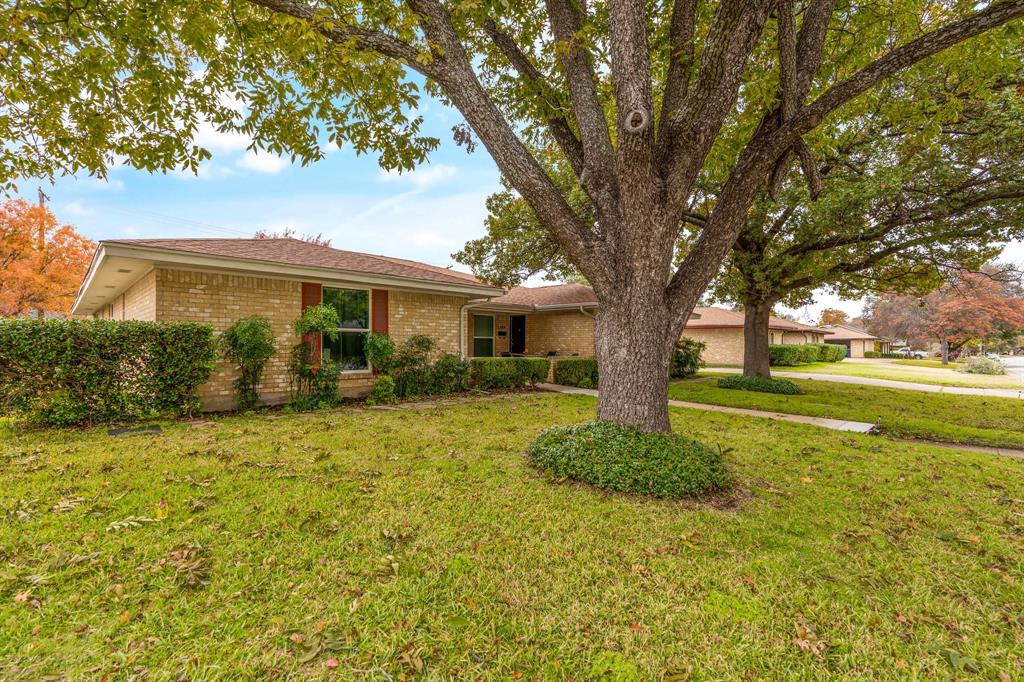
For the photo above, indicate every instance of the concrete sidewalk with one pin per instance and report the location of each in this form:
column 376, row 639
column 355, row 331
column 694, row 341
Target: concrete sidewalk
column 824, row 422
column 886, row 383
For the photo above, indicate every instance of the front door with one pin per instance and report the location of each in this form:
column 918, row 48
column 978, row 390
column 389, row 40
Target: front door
column 517, row 333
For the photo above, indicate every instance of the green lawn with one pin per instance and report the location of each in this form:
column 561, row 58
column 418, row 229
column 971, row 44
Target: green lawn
column 902, row 372
column 935, row 364
column 365, row 544
column 977, row 420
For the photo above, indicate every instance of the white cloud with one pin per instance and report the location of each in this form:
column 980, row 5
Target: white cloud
column 77, row 208
column 207, row 171
column 208, row 137
column 108, row 184
column 262, row 162
column 423, row 176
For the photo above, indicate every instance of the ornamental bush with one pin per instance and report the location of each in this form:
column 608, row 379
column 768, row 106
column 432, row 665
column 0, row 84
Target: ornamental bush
column 625, row 459
column 488, row 373
column 69, row 372
column 449, row 374
column 760, row 384
column 383, row 391
column 313, row 383
column 686, row 358
column 249, row 343
column 982, row 365
column 573, row 371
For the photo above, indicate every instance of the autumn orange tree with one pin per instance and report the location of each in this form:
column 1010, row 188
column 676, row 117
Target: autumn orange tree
column 42, row 262
column 969, row 306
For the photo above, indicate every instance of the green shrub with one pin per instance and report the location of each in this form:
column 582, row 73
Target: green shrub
column 383, row 391
column 488, row 373
column 792, row 354
column 686, row 358
column 411, row 365
column 760, row 384
column 585, row 382
column 448, row 374
column 249, row 343
column 571, row 371
column 67, row 372
column 982, row 365
column 872, row 354
column 830, row 352
column 625, row 459
column 314, row 383
column 380, row 352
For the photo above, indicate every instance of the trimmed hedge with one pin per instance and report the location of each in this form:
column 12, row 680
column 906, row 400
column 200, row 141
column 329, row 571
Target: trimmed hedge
column 760, row 384
column 792, row 354
column 892, row 356
column 66, row 372
column 581, row 372
column 831, row 352
column 627, row 460
column 489, row 373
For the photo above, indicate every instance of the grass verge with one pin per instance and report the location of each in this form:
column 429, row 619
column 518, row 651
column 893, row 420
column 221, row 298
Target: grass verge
column 968, row 419
column 918, row 374
column 364, row 543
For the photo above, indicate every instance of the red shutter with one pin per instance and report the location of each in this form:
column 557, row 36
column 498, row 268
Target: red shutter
column 379, row 322
column 312, row 294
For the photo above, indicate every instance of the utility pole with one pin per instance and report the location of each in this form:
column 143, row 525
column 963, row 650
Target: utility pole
column 41, row 239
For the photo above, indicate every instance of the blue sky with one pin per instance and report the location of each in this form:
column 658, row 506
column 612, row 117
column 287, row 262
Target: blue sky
column 424, row 215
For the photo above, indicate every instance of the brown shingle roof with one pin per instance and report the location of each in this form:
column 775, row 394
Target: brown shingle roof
column 296, row 252
column 555, row 294
column 721, row 317
column 841, row 332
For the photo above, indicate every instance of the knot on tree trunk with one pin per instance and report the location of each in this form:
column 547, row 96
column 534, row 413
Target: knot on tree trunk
column 637, row 121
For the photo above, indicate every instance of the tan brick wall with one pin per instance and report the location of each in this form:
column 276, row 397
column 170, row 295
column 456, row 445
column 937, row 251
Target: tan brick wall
column 566, row 333
column 435, row 315
column 139, row 300
column 221, row 299
column 724, row 345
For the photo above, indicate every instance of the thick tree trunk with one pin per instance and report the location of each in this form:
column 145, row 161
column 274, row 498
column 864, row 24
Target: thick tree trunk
column 755, row 338
column 944, row 346
column 635, row 339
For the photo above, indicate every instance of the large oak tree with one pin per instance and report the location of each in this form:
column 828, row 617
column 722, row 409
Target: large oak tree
column 635, row 96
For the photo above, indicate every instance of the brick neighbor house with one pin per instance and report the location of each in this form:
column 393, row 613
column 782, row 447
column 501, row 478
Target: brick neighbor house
column 856, row 340
column 219, row 281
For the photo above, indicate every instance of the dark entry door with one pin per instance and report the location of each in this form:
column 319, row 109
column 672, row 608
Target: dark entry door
column 517, row 333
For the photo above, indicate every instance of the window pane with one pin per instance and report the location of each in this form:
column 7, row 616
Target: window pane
column 483, row 325
column 347, row 349
column 483, row 348
column 353, row 306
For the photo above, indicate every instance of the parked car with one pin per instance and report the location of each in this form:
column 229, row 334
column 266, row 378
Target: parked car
column 910, row 353
column 992, row 356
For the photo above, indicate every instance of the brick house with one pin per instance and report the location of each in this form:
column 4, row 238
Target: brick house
column 219, row 281
column 857, row 341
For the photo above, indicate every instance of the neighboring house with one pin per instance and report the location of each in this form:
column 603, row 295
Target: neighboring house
column 857, row 341
column 219, row 281
column 551, row 320
column 559, row 320
column 721, row 331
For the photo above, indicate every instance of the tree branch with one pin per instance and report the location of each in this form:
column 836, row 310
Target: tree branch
column 680, row 62
column 365, row 39
column 560, row 129
column 906, row 55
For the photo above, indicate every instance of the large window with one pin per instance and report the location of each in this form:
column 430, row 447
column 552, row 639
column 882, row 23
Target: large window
column 483, row 336
column 347, row 349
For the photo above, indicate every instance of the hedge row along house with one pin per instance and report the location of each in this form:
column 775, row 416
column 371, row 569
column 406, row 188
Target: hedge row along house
column 857, row 341
column 219, row 281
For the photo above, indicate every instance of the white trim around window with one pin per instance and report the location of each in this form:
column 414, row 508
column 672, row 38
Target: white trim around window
column 352, row 330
